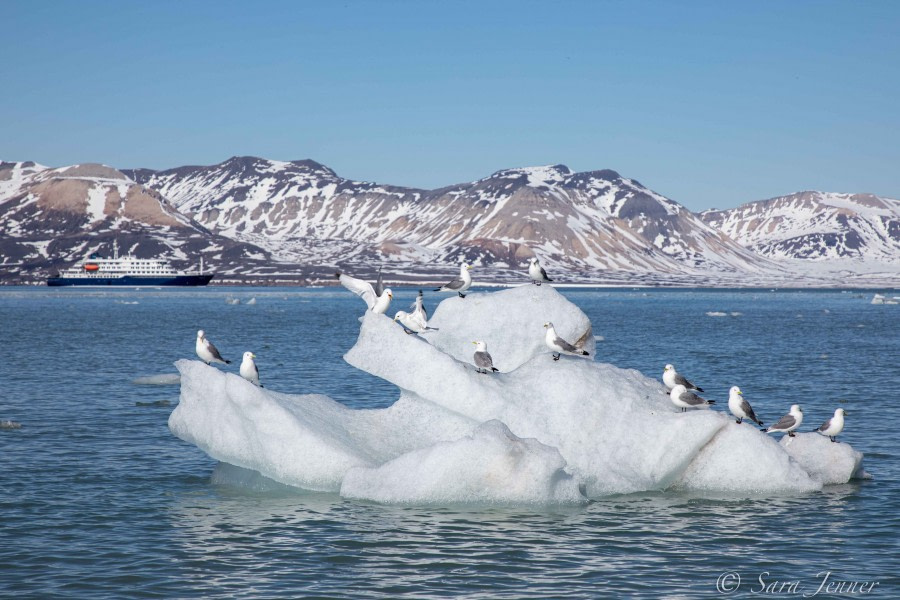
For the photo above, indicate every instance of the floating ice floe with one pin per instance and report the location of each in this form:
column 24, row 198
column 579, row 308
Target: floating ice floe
column 161, row 379
column 537, row 432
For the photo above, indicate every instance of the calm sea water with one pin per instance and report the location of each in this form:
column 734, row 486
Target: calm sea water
column 99, row 499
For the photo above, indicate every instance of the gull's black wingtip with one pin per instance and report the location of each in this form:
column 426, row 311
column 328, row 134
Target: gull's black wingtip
column 337, row 274
column 584, row 353
column 227, row 362
column 700, row 389
column 710, row 401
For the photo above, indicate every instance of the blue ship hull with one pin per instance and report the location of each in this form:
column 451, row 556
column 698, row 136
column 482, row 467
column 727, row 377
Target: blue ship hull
column 130, row 280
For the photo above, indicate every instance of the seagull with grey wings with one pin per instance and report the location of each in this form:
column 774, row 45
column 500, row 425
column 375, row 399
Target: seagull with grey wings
column 483, row 360
column 834, row 425
column 536, row 272
column 684, row 399
column 671, row 378
column 739, row 406
column 207, row 352
column 377, row 298
column 460, row 284
column 788, row 423
column 249, row 371
column 559, row 345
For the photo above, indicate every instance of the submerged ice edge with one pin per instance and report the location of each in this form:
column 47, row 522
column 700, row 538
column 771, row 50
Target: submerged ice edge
column 562, row 430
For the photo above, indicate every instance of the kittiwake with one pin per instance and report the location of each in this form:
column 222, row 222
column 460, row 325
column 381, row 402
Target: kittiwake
column 788, row 423
column 559, row 345
column 412, row 322
column 739, row 406
column 671, row 378
column 420, row 307
column 249, row 370
column 460, row 284
column 207, row 352
column 834, row 425
column 536, row 272
column 483, row 360
column 377, row 303
column 684, row 399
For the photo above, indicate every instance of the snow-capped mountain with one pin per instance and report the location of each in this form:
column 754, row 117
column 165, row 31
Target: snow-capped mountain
column 252, row 217
column 596, row 224
column 50, row 218
column 838, row 229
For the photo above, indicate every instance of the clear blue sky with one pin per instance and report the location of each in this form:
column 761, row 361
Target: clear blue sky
column 709, row 103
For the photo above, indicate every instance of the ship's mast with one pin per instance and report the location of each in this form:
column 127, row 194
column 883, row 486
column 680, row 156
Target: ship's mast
column 116, row 249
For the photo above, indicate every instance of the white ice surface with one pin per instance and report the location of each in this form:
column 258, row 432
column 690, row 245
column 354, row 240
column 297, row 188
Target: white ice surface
column 555, row 430
column 490, row 466
column 827, row 462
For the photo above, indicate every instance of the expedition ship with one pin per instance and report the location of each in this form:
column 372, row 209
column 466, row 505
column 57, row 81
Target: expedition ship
column 128, row 270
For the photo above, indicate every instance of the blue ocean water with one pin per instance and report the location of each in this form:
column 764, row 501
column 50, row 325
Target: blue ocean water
column 99, row 499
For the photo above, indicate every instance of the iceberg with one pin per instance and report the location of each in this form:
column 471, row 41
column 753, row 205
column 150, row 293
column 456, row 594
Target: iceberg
column 539, row 431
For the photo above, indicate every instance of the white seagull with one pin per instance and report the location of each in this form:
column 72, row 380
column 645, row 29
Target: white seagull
column 559, row 345
column 207, row 352
column 249, row 370
column 671, row 378
column 834, row 425
column 377, row 303
column 739, row 406
column 460, row 284
column 412, row 322
column 684, row 399
column 536, row 272
column 483, row 360
column 788, row 423
column 420, row 308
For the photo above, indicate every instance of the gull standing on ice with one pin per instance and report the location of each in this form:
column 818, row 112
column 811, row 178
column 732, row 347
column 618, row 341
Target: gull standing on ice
column 412, row 322
column 834, row 425
column 788, row 423
column 739, row 406
column 684, row 399
column 483, row 360
column 559, row 345
column 671, row 378
column 536, row 272
column 249, row 370
column 207, row 352
column 377, row 303
column 460, row 284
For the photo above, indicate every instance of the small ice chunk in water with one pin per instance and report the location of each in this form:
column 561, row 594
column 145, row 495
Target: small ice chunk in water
column 161, row 379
